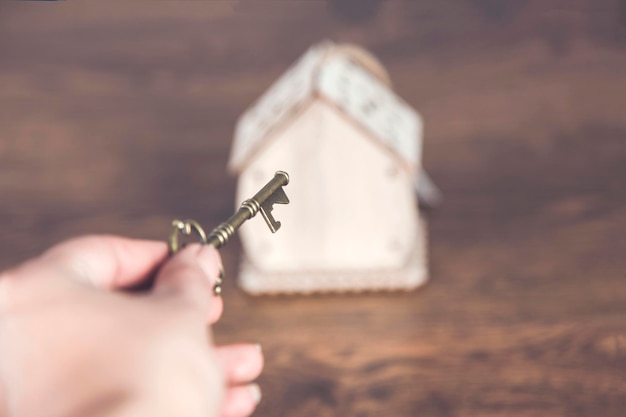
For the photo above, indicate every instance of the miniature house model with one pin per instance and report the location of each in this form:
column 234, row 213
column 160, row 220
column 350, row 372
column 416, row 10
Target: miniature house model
column 352, row 149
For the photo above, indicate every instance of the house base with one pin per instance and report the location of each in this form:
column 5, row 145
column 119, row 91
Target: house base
column 413, row 275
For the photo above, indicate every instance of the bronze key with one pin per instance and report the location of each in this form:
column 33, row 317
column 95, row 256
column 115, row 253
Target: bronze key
column 263, row 201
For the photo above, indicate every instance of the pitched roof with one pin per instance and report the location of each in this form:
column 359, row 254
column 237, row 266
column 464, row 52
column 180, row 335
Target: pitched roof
column 325, row 71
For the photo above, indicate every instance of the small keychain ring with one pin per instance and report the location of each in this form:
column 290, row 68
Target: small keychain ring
column 185, row 228
column 217, row 288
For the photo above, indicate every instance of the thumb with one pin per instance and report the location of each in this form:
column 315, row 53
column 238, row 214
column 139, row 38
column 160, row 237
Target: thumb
column 190, row 276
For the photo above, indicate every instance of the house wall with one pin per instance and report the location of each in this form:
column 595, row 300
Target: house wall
column 352, row 206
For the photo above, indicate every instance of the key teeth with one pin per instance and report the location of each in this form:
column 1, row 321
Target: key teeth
column 269, row 219
column 279, row 197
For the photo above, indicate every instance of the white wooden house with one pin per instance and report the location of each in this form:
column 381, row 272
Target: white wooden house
column 352, row 148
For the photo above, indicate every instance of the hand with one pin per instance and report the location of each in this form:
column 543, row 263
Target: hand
column 72, row 343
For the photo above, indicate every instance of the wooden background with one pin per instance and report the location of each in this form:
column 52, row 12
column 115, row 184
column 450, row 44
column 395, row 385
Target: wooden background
column 117, row 118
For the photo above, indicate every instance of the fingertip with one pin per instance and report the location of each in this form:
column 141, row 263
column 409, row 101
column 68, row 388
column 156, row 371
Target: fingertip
column 242, row 363
column 210, row 261
column 241, row 401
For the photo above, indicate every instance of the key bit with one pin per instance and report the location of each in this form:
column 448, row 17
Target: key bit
column 277, row 197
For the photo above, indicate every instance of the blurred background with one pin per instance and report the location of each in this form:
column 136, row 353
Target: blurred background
column 118, row 117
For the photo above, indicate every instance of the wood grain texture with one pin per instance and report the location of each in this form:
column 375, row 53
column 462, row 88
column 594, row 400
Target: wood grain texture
column 117, row 119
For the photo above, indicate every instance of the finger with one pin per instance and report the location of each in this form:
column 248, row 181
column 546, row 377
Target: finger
column 105, row 261
column 190, row 276
column 240, row 363
column 241, row 401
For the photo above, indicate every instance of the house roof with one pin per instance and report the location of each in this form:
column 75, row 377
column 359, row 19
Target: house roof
column 326, row 70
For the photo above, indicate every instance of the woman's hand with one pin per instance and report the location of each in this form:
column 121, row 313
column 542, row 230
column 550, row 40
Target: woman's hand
column 73, row 343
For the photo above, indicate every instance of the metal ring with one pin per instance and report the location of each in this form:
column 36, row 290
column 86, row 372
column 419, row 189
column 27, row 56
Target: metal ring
column 217, row 288
column 184, row 228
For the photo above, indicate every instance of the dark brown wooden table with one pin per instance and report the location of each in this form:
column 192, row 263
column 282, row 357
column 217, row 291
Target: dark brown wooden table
column 117, row 118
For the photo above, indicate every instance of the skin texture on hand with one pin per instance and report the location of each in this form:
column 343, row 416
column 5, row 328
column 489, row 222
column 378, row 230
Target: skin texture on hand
column 73, row 342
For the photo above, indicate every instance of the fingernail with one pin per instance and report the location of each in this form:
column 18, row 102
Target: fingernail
column 259, row 347
column 255, row 391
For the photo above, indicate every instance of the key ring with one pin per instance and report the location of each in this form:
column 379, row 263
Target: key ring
column 186, row 228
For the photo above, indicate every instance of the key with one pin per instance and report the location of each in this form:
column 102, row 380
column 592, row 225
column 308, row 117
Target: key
column 263, row 201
